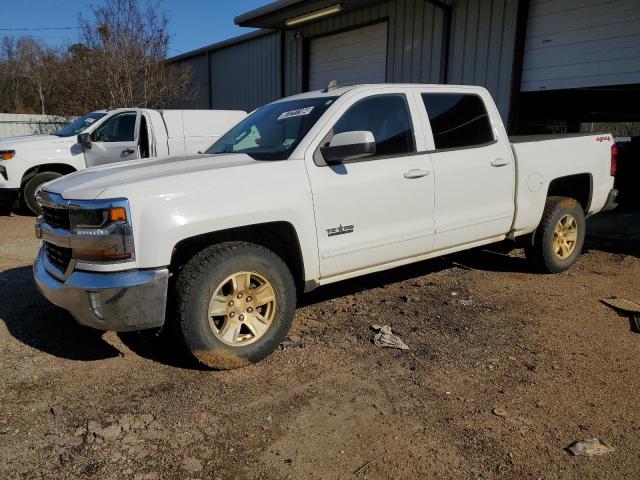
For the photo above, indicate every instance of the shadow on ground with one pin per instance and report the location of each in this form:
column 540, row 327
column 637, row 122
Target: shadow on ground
column 31, row 319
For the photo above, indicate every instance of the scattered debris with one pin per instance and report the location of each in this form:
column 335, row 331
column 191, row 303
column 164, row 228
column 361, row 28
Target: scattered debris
column 590, row 448
column 500, row 412
column 632, row 309
column 365, row 465
column 289, row 343
column 385, row 338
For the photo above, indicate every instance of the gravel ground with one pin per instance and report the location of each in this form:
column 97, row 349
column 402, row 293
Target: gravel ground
column 484, row 334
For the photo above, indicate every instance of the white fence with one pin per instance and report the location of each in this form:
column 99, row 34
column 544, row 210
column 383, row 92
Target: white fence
column 14, row 124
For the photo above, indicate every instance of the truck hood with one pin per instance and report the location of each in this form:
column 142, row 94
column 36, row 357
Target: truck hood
column 89, row 184
column 32, row 142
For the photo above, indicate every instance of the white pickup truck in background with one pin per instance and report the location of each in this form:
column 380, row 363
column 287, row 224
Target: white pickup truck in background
column 306, row 191
column 103, row 137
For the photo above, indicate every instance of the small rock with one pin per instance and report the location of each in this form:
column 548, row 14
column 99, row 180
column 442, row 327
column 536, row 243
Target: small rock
column 80, row 431
column 93, row 426
column 110, row 433
column 590, row 448
column 147, row 418
column 500, row 412
column 192, row 465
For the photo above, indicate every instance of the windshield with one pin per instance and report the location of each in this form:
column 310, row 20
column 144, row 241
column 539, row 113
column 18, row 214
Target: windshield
column 80, row 125
column 273, row 131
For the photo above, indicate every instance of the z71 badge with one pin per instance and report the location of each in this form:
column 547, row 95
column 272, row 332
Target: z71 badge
column 340, row 230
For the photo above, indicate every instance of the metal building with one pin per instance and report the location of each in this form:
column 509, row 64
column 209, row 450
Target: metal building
column 526, row 52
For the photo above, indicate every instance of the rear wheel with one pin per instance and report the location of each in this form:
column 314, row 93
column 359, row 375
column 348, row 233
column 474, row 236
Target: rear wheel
column 31, row 188
column 560, row 236
column 235, row 302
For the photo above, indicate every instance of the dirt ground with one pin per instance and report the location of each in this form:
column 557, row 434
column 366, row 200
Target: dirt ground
column 484, row 333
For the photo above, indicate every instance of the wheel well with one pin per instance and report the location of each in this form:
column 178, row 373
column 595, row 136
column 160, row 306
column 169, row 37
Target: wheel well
column 279, row 237
column 62, row 168
column 575, row 186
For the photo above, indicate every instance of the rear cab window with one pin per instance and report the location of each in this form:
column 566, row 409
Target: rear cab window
column 458, row 120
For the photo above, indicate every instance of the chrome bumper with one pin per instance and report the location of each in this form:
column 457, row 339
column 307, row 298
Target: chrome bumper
column 120, row 301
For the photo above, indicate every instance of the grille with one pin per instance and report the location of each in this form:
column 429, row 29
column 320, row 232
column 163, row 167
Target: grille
column 58, row 256
column 57, row 217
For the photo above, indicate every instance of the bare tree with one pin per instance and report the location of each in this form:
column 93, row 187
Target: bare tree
column 124, row 62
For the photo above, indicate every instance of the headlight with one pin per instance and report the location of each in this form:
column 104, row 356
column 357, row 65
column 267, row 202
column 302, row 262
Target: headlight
column 101, row 234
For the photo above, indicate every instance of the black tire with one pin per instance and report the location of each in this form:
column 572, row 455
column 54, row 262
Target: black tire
column 31, row 187
column 196, row 284
column 541, row 254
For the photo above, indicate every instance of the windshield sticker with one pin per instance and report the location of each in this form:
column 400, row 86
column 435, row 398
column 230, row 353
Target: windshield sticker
column 300, row 112
column 89, row 120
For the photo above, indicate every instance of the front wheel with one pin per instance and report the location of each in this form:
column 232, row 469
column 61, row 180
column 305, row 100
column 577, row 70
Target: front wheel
column 234, row 304
column 31, row 188
column 560, row 236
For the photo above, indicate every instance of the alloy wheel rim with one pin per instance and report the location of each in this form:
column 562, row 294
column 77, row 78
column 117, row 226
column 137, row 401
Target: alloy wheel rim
column 565, row 237
column 242, row 308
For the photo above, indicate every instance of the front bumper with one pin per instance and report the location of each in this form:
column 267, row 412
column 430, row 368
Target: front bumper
column 119, row 301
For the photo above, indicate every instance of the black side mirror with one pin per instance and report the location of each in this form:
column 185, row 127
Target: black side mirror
column 349, row 146
column 84, row 139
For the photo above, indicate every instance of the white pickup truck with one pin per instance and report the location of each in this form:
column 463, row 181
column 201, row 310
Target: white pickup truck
column 306, row 191
column 103, row 137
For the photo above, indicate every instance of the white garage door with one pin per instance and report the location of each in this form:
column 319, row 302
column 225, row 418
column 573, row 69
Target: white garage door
column 581, row 43
column 356, row 56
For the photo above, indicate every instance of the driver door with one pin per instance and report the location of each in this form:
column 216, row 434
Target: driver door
column 115, row 140
column 376, row 209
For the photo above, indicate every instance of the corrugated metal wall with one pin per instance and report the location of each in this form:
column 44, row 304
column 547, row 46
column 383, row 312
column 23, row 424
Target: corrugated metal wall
column 482, row 47
column 247, row 75
column 243, row 75
column 415, row 41
column 199, row 95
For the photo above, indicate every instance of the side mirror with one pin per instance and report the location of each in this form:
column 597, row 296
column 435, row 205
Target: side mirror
column 84, row 139
column 349, row 146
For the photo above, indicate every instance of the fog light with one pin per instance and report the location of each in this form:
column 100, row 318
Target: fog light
column 94, row 304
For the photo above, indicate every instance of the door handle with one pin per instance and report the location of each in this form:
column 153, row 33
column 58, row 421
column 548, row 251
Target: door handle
column 128, row 151
column 500, row 162
column 416, row 173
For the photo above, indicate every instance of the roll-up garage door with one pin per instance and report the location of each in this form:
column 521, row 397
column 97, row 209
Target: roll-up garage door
column 581, row 43
column 356, row 56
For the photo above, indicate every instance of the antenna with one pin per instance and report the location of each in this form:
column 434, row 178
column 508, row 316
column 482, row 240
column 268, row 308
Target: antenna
column 333, row 84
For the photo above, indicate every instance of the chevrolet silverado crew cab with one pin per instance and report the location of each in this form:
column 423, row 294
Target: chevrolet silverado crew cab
column 104, row 137
column 306, row 191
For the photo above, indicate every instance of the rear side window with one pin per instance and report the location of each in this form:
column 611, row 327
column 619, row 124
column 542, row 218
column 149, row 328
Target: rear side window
column 457, row 120
column 387, row 117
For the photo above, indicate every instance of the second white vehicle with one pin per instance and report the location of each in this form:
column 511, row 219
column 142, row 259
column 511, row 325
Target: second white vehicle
column 104, row 137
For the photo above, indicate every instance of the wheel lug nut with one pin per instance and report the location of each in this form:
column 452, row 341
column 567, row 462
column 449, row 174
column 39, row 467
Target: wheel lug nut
column 248, row 299
column 232, row 314
column 249, row 309
column 241, row 318
column 239, row 295
column 231, row 303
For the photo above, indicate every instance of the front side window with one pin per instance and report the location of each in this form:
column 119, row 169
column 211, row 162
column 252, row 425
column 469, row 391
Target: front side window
column 387, row 117
column 457, row 120
column 273, row 131
column 119, row 128
column 80, row 125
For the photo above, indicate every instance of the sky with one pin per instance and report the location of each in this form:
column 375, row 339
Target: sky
column 192, row 23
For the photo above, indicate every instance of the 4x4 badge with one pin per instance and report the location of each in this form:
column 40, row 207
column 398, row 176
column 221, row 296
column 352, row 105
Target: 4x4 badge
column 340, row 230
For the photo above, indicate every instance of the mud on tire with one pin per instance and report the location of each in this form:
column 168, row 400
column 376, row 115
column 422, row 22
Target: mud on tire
column 204, row 321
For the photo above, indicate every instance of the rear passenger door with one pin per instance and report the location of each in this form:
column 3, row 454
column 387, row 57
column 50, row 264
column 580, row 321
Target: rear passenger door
column 473, row 166
column 377, row 209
